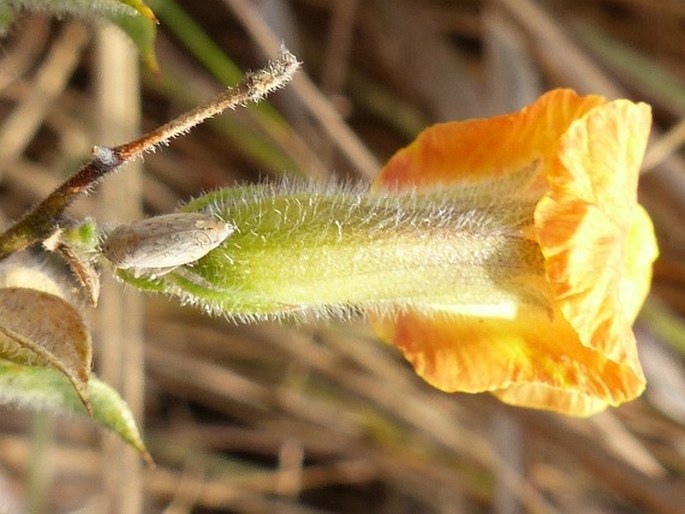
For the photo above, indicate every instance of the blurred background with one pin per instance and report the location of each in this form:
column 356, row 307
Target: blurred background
column 326, row 419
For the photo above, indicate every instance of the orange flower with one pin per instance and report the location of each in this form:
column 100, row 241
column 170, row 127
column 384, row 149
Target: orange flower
column 597, row 242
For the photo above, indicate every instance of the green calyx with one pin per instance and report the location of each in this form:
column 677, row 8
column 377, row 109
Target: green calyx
column 313, row 251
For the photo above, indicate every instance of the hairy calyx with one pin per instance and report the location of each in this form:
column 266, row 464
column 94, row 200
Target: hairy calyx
column 316, row 251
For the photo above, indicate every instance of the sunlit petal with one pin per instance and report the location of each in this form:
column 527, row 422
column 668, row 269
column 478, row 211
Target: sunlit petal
column 481, row 150
column 584, row 223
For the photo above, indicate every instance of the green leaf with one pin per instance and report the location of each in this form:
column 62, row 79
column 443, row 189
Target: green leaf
column 142, row 9
column 40, row 388
column 76, row 7
column 142, row 31
column 134, row 17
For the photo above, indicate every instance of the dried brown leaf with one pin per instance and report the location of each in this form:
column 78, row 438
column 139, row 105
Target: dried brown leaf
column 42, row 329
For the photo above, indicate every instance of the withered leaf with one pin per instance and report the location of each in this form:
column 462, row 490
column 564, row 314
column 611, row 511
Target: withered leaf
column 42, row 329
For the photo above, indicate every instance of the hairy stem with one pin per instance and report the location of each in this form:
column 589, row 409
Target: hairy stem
column 42, row 220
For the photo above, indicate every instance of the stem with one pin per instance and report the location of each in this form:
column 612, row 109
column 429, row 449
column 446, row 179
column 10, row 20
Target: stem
column 253, row 88
column 41, row 221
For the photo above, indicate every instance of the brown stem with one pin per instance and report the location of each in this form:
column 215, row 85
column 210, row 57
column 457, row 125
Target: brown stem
column 42, row 220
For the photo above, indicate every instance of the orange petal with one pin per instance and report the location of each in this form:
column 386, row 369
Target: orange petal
column 529, row 361
column 597, row 243
column 485, row 149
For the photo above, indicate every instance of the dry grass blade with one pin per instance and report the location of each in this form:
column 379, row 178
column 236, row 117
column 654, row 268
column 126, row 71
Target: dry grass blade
column 119, row 314
column 18, row 128
column 365, row 163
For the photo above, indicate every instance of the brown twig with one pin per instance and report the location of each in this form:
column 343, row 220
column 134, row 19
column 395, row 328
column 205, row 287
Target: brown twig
column 41, row 221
